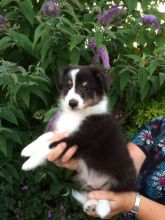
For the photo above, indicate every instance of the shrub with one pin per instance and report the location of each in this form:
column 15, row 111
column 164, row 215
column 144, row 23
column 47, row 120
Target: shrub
column 36, row 40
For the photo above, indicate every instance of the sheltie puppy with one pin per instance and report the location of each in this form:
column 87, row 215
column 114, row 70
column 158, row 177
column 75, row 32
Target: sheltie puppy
column 84, row 113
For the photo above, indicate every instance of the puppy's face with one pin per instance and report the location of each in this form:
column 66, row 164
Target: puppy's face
column 82, row 87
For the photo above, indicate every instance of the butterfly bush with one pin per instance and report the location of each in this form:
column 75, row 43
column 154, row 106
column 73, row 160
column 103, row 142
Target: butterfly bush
column 92, row 43
column 2, row 20
column 110, row 15
column 51, row 8
column 151, row 20
column 99, row 53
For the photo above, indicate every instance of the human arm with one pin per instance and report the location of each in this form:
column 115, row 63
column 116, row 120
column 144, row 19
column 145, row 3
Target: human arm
column 137, row 155
column 123, row 202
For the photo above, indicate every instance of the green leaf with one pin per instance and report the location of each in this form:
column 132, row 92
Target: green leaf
column 67, row 22
column 75, row 40
column 27, row 10
column 162, row 78
column 152, row 66
column 98, row 38
column 143, row 77
column 145, row 4
column 24, row 94
column 69, row 10
column 136, row 58
column 40, row 94
column 155, row 87
column 5, row 42
column 132, row 4
column 12, row 170
column 75, row 56
column 124, row 78
column 42, row 30
column 45, row 49
column 131, row 96
column 8, row 115
column 23, row 41
column 66, row 30
column 49, row 114
column 8, row 176
column 5, row 2
column 144, row 91
column 3, row 146
column 144, row 83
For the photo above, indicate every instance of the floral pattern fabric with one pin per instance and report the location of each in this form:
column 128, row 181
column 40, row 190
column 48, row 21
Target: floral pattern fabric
column 151, row 179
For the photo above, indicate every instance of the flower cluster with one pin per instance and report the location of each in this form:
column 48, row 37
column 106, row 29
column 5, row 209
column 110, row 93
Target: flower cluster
column 51, row 8
column 110, row 15
column 99, row 52
column 151, row 20
column 92, row 43
column 2, row 20
column 50, row 214
column 3, row 23
column 24, row 188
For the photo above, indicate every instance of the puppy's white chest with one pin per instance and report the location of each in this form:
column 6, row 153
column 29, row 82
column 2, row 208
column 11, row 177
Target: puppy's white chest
column 68, row 122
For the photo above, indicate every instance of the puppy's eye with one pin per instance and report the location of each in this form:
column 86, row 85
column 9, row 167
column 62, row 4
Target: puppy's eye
column 87, row 88
column 69, row 85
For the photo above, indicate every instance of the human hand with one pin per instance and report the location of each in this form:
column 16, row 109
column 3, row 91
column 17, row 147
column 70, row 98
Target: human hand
column 119, row 202
column 65, row 161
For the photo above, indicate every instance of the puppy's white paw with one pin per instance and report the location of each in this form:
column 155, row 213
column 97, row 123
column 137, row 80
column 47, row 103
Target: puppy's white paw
column 103, row 208
column 90, row 205
column 36, row 145
column 37, row 159
column 28, row 150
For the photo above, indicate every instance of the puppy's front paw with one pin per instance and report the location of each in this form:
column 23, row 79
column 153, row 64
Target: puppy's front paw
column 103, row 208
column 36, row 145
column 29, row 150
column 90, row 205
column 37, row 159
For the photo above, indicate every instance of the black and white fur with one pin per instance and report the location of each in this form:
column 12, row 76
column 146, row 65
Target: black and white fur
column 104, row 159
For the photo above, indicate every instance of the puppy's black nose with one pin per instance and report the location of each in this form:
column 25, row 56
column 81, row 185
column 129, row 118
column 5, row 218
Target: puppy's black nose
column 73, row 103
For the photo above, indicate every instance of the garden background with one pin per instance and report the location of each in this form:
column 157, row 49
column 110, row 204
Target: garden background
column 37, row 38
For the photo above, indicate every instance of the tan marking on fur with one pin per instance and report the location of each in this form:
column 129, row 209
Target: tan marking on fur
column 91, row 102
column 85, row 83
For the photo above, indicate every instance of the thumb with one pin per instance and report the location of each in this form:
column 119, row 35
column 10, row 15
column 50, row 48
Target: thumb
column 101, row 194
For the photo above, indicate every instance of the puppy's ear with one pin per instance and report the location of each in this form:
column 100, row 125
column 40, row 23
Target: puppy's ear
column 104, row 77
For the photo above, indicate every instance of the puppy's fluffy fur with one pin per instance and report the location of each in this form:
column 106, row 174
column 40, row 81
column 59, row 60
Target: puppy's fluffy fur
column 104, row 159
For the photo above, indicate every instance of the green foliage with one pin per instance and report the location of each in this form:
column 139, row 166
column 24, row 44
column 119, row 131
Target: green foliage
column 33, row 47
column 144, row 113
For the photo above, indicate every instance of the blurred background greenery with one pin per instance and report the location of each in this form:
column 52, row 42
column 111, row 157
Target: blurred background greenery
column 37, row 38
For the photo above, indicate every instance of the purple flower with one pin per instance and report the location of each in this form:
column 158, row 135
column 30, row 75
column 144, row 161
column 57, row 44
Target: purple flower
column 96, row 58
column 24, row 187
column 2, row 20
column 92, row 43
column 109, row 15
column 50, row 214
column 62, row 208
column 52, row 122
column 51, row 8
column 151, row 19
column 103, row 53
